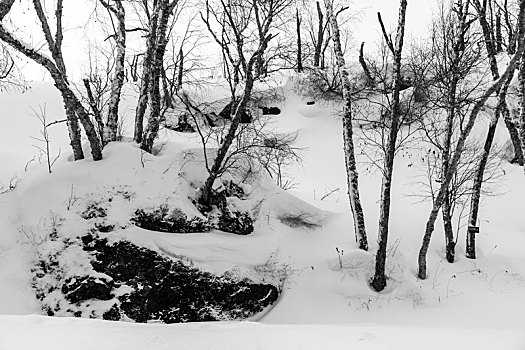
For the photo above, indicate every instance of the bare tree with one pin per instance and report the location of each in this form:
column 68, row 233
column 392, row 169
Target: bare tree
column 378, row 282
column 243, row 30
column 456, row 155
column 55, row 65
column 454, row 64
column 351, row 168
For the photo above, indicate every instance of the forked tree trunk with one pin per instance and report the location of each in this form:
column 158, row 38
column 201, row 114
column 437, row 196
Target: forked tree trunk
column 348, row 141
column 378, row 282
column 165, row 10
column 438, row 202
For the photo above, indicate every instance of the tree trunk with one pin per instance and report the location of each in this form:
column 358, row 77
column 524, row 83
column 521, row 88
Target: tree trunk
column 299, row 46
column 499, row 36
column 74, row 133
column 214, row 171
column 351, row 168
column 147, row 62
column 320, row 36
column 378, row 282
column 181, row 69
column 521, row 92
column 110, row 130
column 152, row 128
column 450, row 244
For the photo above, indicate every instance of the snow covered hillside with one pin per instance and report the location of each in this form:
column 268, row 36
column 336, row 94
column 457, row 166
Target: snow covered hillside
column 302, row 242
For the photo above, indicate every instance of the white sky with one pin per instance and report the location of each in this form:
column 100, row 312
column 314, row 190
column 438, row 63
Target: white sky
column 77, row 12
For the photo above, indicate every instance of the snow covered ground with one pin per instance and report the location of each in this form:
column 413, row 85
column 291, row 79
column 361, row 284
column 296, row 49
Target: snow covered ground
column 326, row 303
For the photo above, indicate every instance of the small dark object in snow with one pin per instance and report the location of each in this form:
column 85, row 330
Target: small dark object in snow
column 270, row 110
column 309, row 103
column 183, row 125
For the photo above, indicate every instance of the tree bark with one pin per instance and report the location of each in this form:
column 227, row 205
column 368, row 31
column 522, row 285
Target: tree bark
column 378, row 282
column 348, row 141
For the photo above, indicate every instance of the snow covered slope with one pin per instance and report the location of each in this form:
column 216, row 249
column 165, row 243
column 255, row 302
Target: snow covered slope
column 326, row 302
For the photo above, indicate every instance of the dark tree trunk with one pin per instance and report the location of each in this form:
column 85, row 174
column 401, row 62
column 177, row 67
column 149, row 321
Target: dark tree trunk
column 351, row 168
column 299, row 46
column 450, row 244
column 499, row 36
column 95, row 110
column 320, row 36
column 364, row 65
column 181, row 69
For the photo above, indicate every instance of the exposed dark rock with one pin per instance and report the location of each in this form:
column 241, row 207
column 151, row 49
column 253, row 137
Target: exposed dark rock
column 239, row 223
column 94, row 210
column 176, row 222
column 112, row 314
column 84, row 288
column 168, row 291
column 310, row 103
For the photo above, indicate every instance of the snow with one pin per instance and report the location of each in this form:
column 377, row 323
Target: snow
column 95, row 334
column 326, row 301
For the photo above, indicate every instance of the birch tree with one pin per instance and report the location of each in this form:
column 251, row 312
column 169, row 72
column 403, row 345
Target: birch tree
column 158, row 15
column 378, row 282
column 348, row 141
column 56, row 67
column 454, row 63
